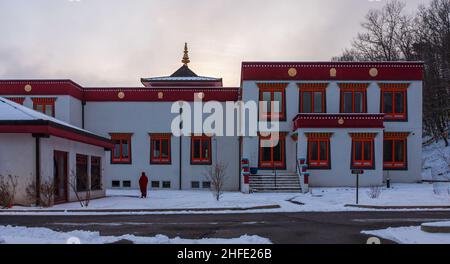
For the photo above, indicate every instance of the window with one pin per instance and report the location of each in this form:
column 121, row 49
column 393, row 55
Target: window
column 121, row 154
column 160, row 149
column 96, row 173
column 115, row 184
column 269, row 93
column 272, row 152
column 166, row 184
column 155, row 184
column 195, row 185
column 394, row 101
column 44, row 105
column 363, row 151
column 82, row 173
column 394, row 150
column 126, row 184
column 313, row 97
column 17, row 100
column 319, row 150
column 353, row 97
column 206, row 185
column 200, row 150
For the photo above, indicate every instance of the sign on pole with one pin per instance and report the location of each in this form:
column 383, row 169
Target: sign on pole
column 357, row 172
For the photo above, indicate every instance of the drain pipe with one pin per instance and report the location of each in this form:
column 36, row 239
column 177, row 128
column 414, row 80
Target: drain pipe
column 38, row 168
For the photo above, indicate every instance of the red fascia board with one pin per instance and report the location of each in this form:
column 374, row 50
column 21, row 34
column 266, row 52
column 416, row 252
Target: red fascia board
column 335, row 121
column 320, row 71
column 41, row 87
column 53, row 129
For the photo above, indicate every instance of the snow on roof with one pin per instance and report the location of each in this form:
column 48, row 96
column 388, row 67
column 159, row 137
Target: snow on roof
column 11, row 111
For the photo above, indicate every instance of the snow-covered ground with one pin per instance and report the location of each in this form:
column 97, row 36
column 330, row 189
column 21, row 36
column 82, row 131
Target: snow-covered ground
column 26, row 235
column 434, row 162
column 410, row 235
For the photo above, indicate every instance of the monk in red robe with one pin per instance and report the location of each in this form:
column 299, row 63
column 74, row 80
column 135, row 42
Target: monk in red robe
column 143, row 181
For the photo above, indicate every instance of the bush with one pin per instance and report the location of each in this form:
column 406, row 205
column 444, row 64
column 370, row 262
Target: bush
column 374, row 192
column 8, row 187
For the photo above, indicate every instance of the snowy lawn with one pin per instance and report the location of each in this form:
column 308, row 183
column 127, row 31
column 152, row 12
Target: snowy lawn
column 25, row 235
column 410, row 235
column 435, row 158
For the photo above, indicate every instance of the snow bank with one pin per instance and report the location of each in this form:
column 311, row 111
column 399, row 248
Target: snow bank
column 437, row 224
column 35, row 235
column 410, row 235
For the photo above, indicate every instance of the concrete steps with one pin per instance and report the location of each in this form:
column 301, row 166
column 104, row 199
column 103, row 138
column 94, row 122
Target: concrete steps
column 270, row 183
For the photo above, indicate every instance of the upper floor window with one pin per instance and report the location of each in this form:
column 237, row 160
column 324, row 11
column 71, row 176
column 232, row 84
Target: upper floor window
column 363, row 150
column 313, row 97
column 394, row 150
column 394, row 101
column 200, row 150
column 17, row 100
column 269, row 94
column 44, row 105
column 160, row 149
column 121, row 154
column 319, row 150
column 353, row 97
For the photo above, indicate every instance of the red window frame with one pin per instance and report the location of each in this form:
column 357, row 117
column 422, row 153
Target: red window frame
column 313, row 88
column 121, row 137
column 272, row 164
column 363, row 139
column 203, row 159
column 318, row 139
column 353, row 88
column 45, row 103
column 160, row 138
column 272, row 88
column 393, row 164
column 394, row 89
column 17, row 100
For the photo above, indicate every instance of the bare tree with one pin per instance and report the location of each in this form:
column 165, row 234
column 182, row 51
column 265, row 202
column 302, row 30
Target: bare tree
column 81, row 189
column 216, row 174
column 47, row 193
column 8, row 186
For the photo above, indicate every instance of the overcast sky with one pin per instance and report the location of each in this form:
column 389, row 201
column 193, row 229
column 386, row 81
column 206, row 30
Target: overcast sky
column 116, row 42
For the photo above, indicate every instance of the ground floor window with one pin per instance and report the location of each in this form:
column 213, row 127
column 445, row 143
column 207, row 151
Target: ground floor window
column 155, row 184
column 126, row 184
column 195, row 185
column 319, row 150
column 96, row 173
column 363, row 151
column 206, row 185
column 160, row 149
column 200, row 150
column 82, row 173
column 272, row 152
column 395, row 151
column 115, row 184
column 166, row 184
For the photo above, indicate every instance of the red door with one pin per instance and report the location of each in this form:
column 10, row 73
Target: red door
column 60, row 177
column 272, row 153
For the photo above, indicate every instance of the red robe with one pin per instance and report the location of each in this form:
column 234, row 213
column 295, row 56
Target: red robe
column 143, row 181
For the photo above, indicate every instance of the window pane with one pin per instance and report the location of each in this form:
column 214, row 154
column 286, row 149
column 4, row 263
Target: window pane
column 318, row 102
column 387, row 150
column 267, row 99
column 399, row 150
column 125, row 149
column 117, row 149
column 165, row 148
column 358, row 150
column 156, row 148
column 323, row 150
column 278, row 97
column 40, row 108
column 399, row 104
column 314, row 150
column 388, row 103
column 49, row 110
column 306, row 107
column 367, row 151
column 266, row 154
column 205, row 149
column 358, row 102
column 277, row 155
column 348, row 98
column 196, row 149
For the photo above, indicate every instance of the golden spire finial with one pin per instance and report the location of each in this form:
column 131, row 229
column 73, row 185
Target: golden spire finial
column 186, row 60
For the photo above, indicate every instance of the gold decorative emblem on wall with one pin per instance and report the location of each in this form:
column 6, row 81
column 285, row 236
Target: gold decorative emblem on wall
column 373, row 72
column 333, row 72
column 160, row 95
column 201, row 95
column 341, row 121
column 292, row 72
column 121, row 95
column 28, row 88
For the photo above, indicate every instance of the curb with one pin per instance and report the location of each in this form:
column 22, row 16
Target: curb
column 396, row 207
column 435, row 229
column 145, row 210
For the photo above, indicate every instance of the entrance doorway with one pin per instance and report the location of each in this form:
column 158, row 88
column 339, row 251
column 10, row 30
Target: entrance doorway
column 60, row 176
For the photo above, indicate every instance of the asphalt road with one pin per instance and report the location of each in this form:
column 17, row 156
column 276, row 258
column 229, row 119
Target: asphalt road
column 293, row 228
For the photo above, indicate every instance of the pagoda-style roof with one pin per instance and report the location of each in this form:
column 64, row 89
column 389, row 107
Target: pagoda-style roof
column 183, row 77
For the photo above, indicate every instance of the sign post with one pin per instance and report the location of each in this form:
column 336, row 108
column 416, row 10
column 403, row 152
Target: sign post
column 357, row 173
